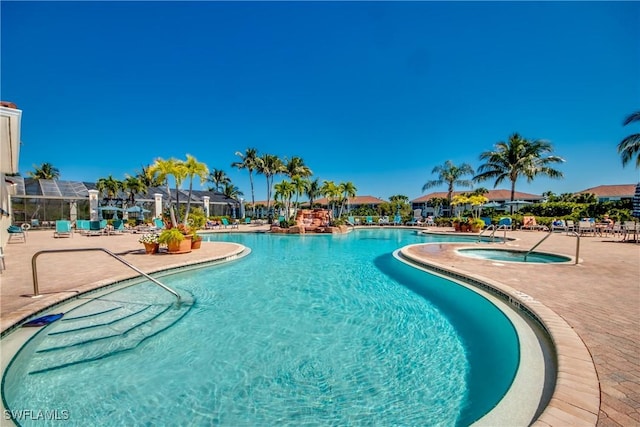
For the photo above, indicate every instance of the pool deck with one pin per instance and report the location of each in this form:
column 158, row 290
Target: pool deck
column 598, row 299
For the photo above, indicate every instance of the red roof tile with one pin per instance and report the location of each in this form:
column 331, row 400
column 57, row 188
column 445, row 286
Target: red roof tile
column 621, row 190
column 492, row 195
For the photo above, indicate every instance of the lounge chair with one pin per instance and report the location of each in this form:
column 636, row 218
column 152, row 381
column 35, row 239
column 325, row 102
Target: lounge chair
column 558, row 225
column 247, row 221
column 586, row 227
column 397, row 220
column 351, row 221
column 158, row 223
column 225, row 223
column 17, row 233
column 118, row 226
column 96, row 228
column 369, row 220
column 505, row 223
column 487, row 221
column 63, row 229
column 83, row 226
column 383, row 220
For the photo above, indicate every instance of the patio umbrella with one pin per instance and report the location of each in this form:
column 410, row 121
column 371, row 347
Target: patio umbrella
column 491, row 205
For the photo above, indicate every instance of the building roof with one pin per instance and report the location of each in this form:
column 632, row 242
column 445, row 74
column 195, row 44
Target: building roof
column 619, row 190
column 56, row 189
column 492, row 195
column 358, row 200
column 8, row 104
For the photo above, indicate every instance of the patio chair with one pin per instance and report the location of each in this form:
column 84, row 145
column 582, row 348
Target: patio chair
column 487, row 221
column 505, row 223
column 82, row 226
column 247, row 221
column 96, row 228
column 397, row 220
column 17, row 233
column 63, row 229
column 351, row 221
column 585, row 227
column 118, row 226
column 369, row 220
column 569, row 226
column 383, row 220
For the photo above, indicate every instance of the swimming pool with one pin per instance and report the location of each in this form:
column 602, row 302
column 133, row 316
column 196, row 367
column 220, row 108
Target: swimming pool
column 305, row 330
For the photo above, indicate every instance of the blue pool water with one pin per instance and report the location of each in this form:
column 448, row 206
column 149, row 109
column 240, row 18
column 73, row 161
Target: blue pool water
column 306, row 330
column 513, row 255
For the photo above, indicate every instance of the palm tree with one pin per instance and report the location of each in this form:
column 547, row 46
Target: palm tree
column 219, row 178
column 312, row 190
column 147, row 178
column 630, row 146
column 450, row 174
column 231, row 191
column 193, row 168
column 44, row 171
column 133, row 185
column 284, row 191
column 299, row 184
column 518, row 157
column 161, row 170
column 249, row 162
column 348, row 189
column 296, row 167
column 109, row 187
column 332, row 192
column 269, row 165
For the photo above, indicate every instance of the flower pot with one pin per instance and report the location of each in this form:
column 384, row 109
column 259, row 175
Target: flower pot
column 464, row 228
column 182, row 247
column 195, row 244
column 151, row 248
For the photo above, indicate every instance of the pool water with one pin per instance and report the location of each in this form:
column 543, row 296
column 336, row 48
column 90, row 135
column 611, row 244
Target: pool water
column 513, row 255
column 306, row 330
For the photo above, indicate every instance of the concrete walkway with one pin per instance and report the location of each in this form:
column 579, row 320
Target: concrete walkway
column 598, row 298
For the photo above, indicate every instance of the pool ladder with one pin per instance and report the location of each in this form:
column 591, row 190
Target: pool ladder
column 493, row 229
column 547, row 236
column 108, row 252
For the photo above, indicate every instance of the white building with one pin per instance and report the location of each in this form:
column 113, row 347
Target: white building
column 10, row 117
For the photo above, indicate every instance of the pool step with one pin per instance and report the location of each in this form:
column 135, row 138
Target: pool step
column 114, row 327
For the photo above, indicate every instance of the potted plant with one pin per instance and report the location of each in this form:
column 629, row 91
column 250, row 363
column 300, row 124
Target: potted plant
column 150, row 242
column 476, row 224
column 176, row 241
column 196, row 240
column 456, row 223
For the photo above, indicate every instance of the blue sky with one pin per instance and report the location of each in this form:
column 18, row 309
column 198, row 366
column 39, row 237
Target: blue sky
column 376, row 93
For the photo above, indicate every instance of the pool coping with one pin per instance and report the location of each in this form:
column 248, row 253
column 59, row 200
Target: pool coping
column 576, row 396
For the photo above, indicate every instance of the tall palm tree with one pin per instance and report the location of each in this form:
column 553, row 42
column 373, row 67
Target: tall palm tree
column 249, row 162
column 231, row 191
column 348, row 190
column 269, row 165
column 630, row 146
column 312, row 190
column 332, row 192
column 133, row 185
column 450, row 174
column 299, row 184
column 109, row 187
column 295, row 167
column 147, row 178
column 193, row 168
column 219, row 178
column 284, row 191
column 162, row 170
column 518, row 157
column 44, row 171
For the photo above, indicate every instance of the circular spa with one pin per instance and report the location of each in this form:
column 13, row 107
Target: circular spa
column 322, row 330
column 510, row 255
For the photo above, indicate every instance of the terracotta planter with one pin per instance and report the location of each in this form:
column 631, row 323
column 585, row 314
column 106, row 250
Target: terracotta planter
column 182, row 247
column 456, row 226
column 195, row 244
column 464, row 228
column 151, row 248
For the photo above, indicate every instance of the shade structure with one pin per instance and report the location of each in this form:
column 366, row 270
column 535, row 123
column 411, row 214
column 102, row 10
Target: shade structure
column 491, row 205
column 636, row 202
column 110, row 209
column 138, row 209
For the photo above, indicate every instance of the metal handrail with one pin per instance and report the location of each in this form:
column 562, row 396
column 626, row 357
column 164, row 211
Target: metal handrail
column 575, row 233
column 494, row 228
column 490, row 227
column 537, row 244
column 108, row 252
